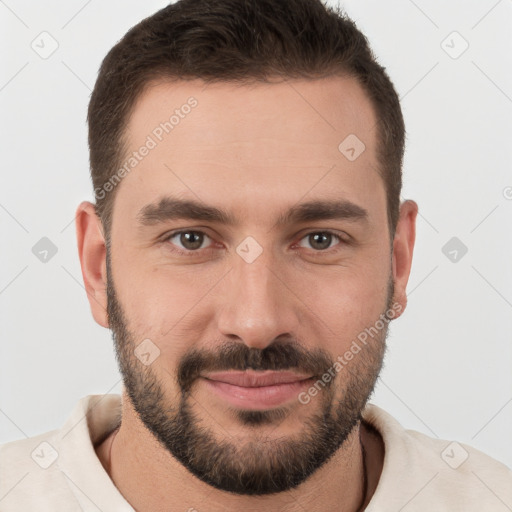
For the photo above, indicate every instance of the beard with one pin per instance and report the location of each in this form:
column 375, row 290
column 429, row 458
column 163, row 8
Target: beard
column 262, row 465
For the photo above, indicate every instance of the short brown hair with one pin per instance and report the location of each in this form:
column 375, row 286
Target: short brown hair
column 238, row 41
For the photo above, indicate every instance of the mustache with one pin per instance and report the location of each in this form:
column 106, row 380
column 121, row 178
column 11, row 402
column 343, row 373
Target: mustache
column 238, row 356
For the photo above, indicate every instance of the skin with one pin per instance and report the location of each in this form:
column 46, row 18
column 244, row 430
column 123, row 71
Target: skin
column 253, row 151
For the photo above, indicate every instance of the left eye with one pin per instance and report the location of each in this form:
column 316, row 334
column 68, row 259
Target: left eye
column 320, row 240
column 189, row 240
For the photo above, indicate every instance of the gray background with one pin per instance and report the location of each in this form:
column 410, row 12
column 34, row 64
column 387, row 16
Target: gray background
column 448, row 368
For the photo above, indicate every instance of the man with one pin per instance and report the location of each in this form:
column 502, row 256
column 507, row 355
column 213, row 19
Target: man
column 248, row 250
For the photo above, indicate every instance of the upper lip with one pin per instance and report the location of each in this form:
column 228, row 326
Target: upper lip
column 253, row 379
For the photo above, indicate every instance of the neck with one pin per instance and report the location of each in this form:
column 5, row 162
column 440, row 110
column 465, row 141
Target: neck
column 151, row 479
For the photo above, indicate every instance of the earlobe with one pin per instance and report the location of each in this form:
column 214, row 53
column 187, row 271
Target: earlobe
column 403, row 248
column 92, row 254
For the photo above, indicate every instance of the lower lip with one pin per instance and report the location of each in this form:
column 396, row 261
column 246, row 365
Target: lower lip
column 263, row 397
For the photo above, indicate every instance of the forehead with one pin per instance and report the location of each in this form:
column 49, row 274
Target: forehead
column 323, row 109
column 252, row 145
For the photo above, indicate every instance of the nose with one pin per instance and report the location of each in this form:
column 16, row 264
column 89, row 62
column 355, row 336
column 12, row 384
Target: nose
column 258, row 304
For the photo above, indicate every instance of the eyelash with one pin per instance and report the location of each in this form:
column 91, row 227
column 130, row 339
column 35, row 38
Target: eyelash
column 183, row 252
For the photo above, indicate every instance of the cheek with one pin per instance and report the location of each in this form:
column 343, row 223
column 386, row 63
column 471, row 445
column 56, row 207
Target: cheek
column 342, row 304
column 353, row 281
column 165, row 302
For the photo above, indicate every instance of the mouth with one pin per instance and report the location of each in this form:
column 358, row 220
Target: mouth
column 256, row 390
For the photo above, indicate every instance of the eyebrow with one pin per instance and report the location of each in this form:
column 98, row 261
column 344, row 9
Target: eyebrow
column 169, row 208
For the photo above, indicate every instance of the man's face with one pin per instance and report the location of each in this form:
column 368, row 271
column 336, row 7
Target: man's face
column 266, row 291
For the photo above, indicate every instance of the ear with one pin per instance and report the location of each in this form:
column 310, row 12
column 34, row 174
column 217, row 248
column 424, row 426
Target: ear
column 92, row 252
column 403, row 246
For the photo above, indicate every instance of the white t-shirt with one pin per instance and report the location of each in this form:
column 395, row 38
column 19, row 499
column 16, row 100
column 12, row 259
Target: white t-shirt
column 59, row 471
